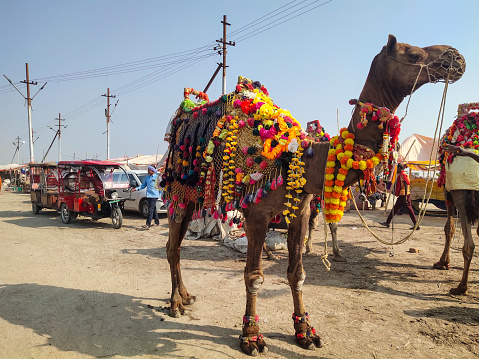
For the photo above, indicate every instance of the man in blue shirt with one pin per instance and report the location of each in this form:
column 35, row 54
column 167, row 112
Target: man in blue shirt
column 152, row 195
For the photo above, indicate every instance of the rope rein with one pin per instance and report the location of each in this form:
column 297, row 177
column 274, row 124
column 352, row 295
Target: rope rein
column 422, row 210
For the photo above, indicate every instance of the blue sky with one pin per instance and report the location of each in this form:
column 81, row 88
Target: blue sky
column 312, row 65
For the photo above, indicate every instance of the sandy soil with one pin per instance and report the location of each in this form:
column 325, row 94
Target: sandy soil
column 85, row 290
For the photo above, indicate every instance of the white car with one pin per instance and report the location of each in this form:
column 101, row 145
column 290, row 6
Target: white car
column 136, row 201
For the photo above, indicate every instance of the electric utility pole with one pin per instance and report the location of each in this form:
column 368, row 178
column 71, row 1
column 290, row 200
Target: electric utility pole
column 107, row 115
column 29, row 102
column 17, row 149
column 59, row 136
column 223, row 51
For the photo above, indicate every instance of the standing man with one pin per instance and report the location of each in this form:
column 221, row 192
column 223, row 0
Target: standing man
column 152, row 195
column 403, row 197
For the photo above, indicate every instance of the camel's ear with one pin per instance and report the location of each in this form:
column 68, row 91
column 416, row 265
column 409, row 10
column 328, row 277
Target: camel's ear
column 391, row 46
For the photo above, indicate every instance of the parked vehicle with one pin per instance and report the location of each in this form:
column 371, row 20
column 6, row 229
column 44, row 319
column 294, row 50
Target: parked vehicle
column 137, row 200
column 92, row 188
column 44, row 186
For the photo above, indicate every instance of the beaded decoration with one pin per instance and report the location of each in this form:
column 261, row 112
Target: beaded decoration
column 464, row 132
column 244, row 140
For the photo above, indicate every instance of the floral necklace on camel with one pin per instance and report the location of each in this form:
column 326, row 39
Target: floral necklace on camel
column 349, row 155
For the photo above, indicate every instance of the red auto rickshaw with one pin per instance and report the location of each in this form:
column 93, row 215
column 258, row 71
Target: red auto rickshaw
column 92, row 188
column 43, row 186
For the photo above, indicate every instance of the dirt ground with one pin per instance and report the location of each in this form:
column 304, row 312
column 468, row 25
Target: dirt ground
column 85, row 290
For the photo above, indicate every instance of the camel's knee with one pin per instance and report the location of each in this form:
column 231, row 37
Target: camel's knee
column 253, row 281
column 468, row 250
column 296, row 280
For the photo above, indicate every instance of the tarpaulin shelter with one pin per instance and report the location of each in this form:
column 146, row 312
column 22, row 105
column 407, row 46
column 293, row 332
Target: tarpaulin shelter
column 415, row 151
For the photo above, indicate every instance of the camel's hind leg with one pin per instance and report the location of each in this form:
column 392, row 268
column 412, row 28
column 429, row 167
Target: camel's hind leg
column 305, row 334
column 461, row 201
column 179, row 294
column 337, row 256
column 449, row 230
column 256, row 225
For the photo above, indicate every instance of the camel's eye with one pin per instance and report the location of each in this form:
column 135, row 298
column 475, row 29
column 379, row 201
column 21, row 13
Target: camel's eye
column 414, row 57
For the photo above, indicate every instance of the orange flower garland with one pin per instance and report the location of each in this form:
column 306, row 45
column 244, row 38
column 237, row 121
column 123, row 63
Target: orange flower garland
column 335, row 195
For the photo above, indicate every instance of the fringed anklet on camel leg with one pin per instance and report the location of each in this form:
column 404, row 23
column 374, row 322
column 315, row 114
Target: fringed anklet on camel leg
column 305, row 335
column 251, row 341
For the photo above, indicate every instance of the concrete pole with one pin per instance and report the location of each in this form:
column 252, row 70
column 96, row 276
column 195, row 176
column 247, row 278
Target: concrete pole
column 29, row 101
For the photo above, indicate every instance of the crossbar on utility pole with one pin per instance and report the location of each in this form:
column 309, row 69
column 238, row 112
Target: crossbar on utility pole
column 223, row 51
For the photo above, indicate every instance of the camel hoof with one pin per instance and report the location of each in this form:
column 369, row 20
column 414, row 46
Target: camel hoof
column 458, row 291
column 189, row 300
column 339, row 258
column 318, row 341
column 175, row 313
column 441, row 266
column 272, row 257
column 254, row 348
column 306, row 343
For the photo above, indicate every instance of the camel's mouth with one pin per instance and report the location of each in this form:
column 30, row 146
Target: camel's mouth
column 449, row 67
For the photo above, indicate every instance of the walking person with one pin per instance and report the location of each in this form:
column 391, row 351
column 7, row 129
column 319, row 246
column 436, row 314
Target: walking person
column 152, row 195
column 403, row 197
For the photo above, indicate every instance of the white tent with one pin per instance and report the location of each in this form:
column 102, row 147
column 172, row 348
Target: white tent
column 419, row 148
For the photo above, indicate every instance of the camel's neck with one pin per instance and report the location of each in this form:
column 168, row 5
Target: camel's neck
column 379, row 92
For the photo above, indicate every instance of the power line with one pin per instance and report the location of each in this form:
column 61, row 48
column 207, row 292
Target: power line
column 276, row 23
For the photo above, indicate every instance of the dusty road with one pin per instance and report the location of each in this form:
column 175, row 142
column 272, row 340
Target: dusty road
column 85, row 290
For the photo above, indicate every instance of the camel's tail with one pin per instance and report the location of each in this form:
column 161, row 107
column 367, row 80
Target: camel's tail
column 472, row 206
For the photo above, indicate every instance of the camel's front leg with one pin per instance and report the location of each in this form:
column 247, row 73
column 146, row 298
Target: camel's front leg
column 467, row 252
column 305, row 334
column 333, row 227
column 449, row 229
column 251, row 341
column 179, row 294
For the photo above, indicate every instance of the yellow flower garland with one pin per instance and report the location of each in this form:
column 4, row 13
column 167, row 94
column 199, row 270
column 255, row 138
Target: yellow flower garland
column 335, row 195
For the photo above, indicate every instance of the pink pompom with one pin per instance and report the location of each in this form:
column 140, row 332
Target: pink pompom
column 304, row 144
column 241, row 124
column 252, row 181
column 360, row 125
column 245, row 150
column 203, row 111
column 251, row 122
column 263, row 165
column 280, row 180
column 171, row 210
column 238, row 170
column 216, row 215
column 175, row 198
column 194, row 217
column 249, row 161
column 195, row 114
column 273, row 184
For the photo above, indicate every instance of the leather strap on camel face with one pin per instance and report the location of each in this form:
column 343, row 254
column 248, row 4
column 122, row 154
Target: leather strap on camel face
column 448, row 56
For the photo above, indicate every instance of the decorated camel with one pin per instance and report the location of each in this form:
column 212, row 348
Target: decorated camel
column 459, row 176
column 243, row 154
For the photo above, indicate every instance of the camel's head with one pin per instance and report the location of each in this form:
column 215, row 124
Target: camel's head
column 409, row 67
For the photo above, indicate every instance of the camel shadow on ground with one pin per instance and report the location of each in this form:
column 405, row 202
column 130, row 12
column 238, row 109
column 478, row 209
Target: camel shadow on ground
column 81, row 321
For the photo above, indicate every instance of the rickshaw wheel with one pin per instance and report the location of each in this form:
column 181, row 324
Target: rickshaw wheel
column 65, row 213
column 35, row 208
column 116, row 217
